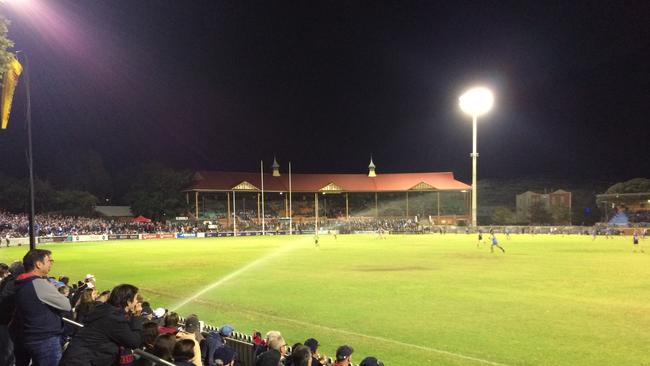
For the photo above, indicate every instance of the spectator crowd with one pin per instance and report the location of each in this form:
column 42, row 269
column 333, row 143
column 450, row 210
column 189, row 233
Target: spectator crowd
column 117, row 322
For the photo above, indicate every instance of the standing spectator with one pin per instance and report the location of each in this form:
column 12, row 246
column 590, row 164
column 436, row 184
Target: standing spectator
column 111, row 325
column 313, row 347
column 37, row 325
column 7, row 306
column 301, row 356
column 344, row 356
column 371, row 361
column 214, row 341
column 189, row 331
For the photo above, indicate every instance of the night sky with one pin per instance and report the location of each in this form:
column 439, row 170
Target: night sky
column 222, row 84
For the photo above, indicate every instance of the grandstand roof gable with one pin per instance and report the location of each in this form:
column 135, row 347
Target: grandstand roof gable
column 226, row 181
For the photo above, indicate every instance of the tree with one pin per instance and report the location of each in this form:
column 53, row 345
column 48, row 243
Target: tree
column 156, row 193
column 561, row 215
column 636, row 185
column 539, row 214
column 503, row 216
column 5, row 44
column 74, row 203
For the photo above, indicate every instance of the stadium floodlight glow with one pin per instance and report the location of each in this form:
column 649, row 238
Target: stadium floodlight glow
column 475, row 102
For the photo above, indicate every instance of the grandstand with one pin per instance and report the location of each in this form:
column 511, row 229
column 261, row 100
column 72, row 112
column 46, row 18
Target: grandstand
column 625, row 208
column 437, row 197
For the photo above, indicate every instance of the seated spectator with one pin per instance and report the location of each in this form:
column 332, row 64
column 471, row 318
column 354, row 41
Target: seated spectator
column 190, row 331
column 85, row 305
column 171, row 324
column 149, row 335
column 344, row 356
column 184, row 352
column 163, row 348
column 64, row 290
column 224, row 356
column 371, row 361
column 4, row 271
column 103, row 297
column 301, row 356
column 276, row 350
column 108, row 327
column 37, row 325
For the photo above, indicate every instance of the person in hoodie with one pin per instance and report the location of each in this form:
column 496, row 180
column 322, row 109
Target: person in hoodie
column 111, row 325
column 213, row 342
column 37, row 324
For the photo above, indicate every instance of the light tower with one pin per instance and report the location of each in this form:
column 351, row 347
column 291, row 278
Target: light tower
column 475, row 102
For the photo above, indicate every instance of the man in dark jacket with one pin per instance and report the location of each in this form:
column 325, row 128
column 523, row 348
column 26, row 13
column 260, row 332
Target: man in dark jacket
column 111, row 325
column 272, row 357
column 37, row 325
column 7, row 306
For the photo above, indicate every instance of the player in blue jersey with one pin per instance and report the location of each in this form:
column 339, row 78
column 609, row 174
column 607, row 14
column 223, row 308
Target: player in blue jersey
column 495, row 243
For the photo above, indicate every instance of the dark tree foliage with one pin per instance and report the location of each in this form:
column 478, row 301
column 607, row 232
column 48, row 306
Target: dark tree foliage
column 636, row 185
column 539, row 215
column 156, row 192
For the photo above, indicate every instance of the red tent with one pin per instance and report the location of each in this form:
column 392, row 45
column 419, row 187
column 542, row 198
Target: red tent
column 141, row 219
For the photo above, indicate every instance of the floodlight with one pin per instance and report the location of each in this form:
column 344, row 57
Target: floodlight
column 476, row 101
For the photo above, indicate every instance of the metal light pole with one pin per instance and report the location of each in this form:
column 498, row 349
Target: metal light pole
column 474, row 162
column 30, row 159
column 475, row 102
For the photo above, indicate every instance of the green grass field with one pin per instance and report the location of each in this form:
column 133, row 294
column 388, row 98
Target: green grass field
column 409, row 300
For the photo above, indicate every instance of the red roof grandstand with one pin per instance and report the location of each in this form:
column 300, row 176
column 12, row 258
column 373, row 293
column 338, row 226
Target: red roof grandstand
column 213, row 181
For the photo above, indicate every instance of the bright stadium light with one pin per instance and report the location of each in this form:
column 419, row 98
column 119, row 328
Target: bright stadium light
column 475, row 102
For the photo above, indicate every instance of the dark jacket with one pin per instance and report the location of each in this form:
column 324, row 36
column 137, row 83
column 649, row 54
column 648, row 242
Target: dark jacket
column 213, row 341
column 7, row 299
column 269, row 358
column 38, row 309
column 98, row 342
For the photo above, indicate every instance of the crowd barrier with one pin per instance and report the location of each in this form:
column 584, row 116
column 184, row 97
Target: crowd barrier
column 575, row 230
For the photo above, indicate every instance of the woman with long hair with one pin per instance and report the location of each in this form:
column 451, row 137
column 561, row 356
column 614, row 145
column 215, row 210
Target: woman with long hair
column 111, row 325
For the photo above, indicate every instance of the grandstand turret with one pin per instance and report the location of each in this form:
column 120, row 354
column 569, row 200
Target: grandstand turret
column 371, row 169
column 276, row 168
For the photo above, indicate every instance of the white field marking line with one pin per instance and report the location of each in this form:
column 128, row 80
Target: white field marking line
column 336, row 330
column 236, row 273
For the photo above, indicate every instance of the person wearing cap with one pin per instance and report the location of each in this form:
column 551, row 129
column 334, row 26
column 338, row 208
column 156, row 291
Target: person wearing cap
column 313, row 347
column 191, row 327
column 213, row 342
column 344, row 356
column 371, row 361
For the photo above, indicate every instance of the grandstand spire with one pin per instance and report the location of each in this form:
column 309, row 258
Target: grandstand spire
column 371, row 168
column 276, row 167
